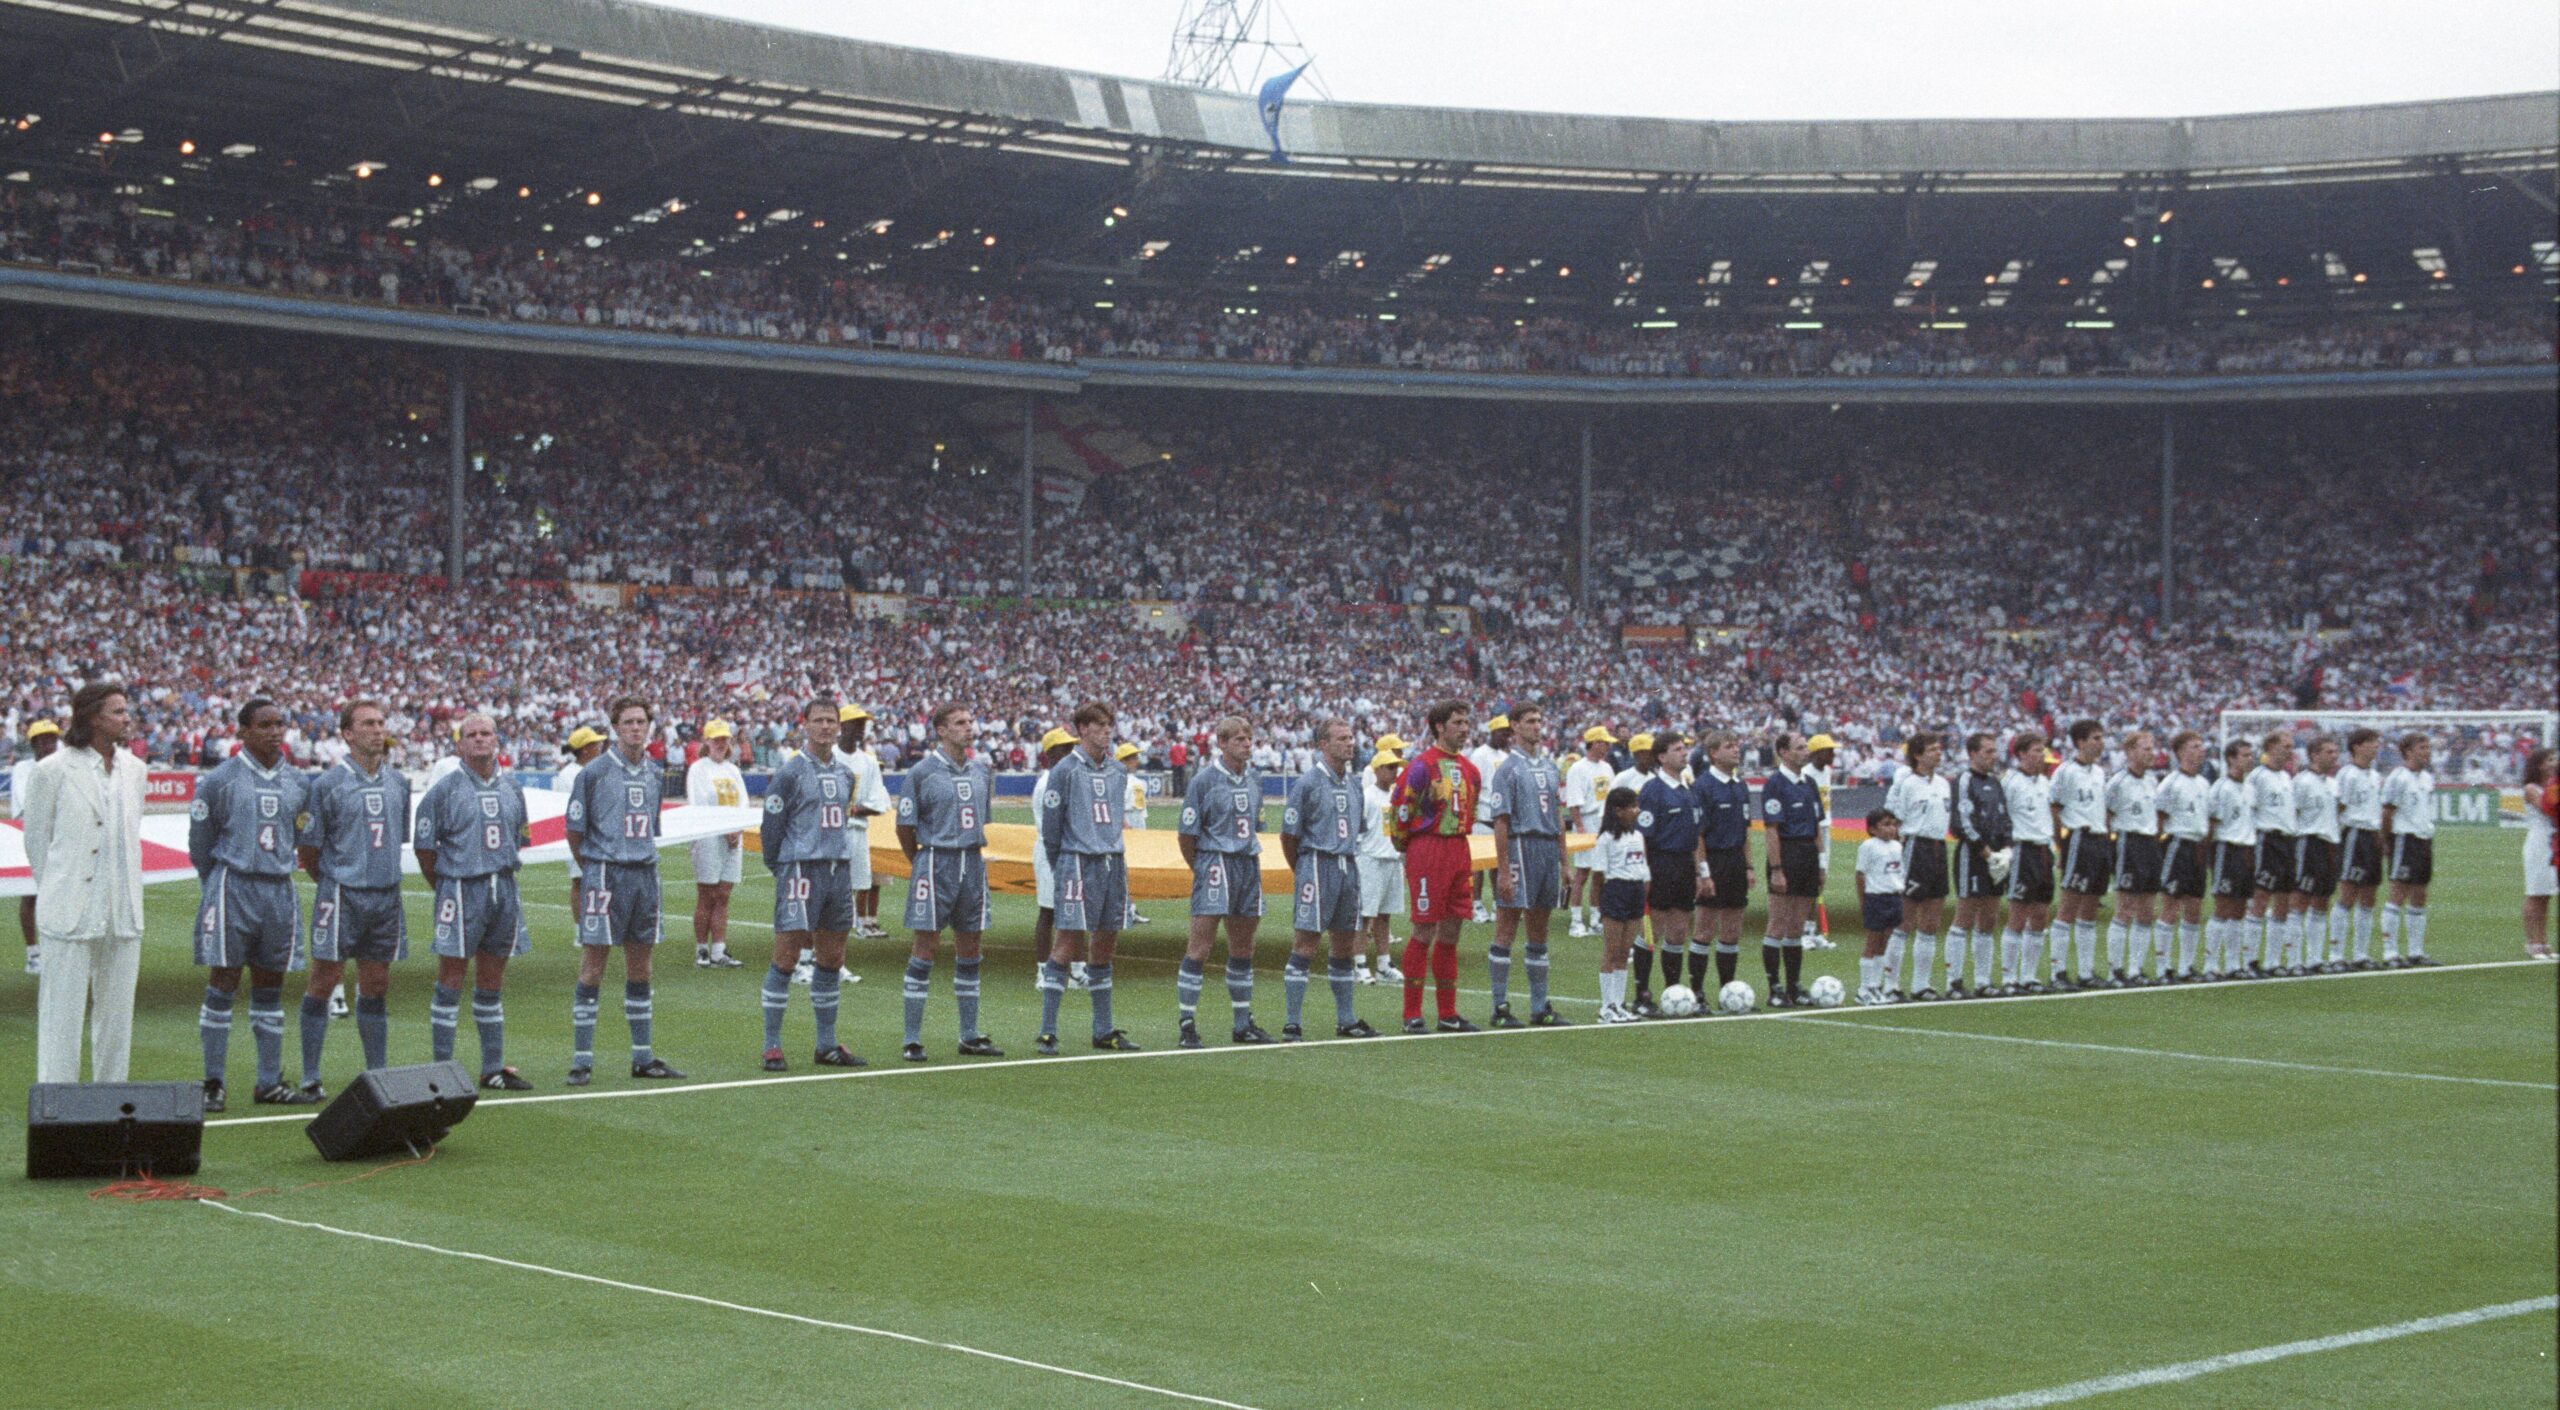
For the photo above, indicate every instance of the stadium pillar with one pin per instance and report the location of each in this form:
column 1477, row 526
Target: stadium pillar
column 455, row 435
column 1582, row 555
column 2168, row 493
column 1029, row 490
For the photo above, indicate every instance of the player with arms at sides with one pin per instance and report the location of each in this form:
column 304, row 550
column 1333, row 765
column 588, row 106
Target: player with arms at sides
column 240, row 836
column 1320, row 831
column 1381, row 870
column 1623, row 877
column 1982, row 828
column 1221, row 841
column 2186, row 867
column 1667, row 815
column 350, row 847
column 2409, row 848
column 613, row 844
column 1431, row 813
column 470, row 834
column 2275, row 947
column 1044, row 881
column 2133, row 814
column 2360, row 842
column 1791, row 812
column 2088, row 849
column 2231, row 839
column 870, row 800
column 43, row 737
column 1586, row 789
column 1880, row 887
column 2541, row 877
column 942, row 829
column 1724, row 869
column 1924, row 799
column 2028, row 790
column 1526, row 800
column 806, row 844
column 713, row 781
column 1134, row 812
column 2315, row 857
column 1081, row 829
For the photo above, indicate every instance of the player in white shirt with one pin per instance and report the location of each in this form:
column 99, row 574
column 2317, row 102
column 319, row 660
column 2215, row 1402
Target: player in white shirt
column 43, row 737
column 713, row 781
column 2274, row 944
column 1880, row 886
column 1133, row 813
column 2231, row 837
column 2541, row 879
column 2315, row 858
column 1924, row 802
column 1624, row 877
column 870, row 800
column 1487, row 757
column 1586, row 792
column 2360, row 842
column 1381, row 873
column 2133, row 815
column 2087, row 850
column 2184, row 864
column 2028, row 790
column 2409, row 848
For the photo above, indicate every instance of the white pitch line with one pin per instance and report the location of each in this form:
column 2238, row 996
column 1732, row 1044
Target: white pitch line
column 2189, row 1370
column 1714, row 1021
column 726, row 1306
column 1862, row 1024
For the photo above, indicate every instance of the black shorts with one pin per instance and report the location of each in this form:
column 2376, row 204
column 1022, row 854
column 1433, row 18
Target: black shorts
column 1799, row 860
column 2088, row 862
column 2031, row 875
column 2275, row 863
column 2235, row 871
column 1675, row 880
column 2413, row 859
column 1880, row 913
column 2360, row 857
column 1725, row 867
column 2138, row 870
column 1973, row 873
column 2315, row 867
column 1621, row 899
column 1924, row 869
column 2182, row 867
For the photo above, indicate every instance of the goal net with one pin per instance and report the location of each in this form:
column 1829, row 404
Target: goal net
column 2475, row 748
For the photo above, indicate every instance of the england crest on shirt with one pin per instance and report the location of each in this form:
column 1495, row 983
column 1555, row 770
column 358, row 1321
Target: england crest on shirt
column 488, row 805
column 373, row 804
column 269, row 805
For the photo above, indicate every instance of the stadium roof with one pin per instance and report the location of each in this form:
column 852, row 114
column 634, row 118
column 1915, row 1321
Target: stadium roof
column 661, row 132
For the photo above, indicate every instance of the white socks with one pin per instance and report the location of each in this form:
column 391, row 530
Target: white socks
column 1983, row 942
column 1613, row 987
column 2415, row 918
column 2390, row 930
column 1924, row 962
column 2084, row 936
column 1891, row 975
column 1870, row 972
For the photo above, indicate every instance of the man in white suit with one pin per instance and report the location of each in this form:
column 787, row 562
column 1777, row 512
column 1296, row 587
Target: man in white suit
column 84, row 847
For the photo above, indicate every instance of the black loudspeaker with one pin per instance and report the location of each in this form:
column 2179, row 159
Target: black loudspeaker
column 114, row 1128
column 394, row 1109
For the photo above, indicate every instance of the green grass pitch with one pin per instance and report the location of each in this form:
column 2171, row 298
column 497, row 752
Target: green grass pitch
column 1800, row 1211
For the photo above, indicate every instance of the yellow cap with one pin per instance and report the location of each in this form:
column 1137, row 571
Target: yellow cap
column 1125, row 751
column 2051, row 758
column 1819, row 743
column 850, row 713
column 41, row 728
column 1056, row 739
column 1497, row 722
column 1641, row 744
column 579, row 738
column 1394, row 742
column 717, row 729
column 1598, row 734
column 1386, row 760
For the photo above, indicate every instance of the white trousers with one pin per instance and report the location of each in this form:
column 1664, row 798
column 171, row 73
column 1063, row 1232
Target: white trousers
column 90, row 979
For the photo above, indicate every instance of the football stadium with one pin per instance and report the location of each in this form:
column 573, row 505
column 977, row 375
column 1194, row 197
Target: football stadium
column 1820, row 763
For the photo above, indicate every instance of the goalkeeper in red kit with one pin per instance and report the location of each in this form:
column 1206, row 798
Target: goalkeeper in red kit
column 1430, row 813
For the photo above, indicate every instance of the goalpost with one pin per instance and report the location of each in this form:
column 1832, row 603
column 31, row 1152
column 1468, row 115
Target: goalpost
column 2472, row 747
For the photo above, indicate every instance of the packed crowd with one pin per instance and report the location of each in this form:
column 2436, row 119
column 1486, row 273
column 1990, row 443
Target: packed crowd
column 332, row 257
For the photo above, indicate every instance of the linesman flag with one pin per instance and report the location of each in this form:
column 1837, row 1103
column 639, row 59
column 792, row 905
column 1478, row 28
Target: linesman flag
column 1275, row 92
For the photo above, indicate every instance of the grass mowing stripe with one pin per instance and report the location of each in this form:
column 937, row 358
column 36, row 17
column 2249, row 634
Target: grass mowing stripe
column 1860, row 1023
column 726, row 1306
column 1716, row 1020
column 2229, row 1361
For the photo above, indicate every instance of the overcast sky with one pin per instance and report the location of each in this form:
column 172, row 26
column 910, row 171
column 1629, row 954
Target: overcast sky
column 1776, row 59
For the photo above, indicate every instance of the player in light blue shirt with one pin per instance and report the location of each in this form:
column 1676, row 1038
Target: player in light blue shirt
column 1081, row 816
column 350, row 846
column 942, row 827
column 1525, row 798
column 1220, row 838
column 809, row 851
column 1320, row 833
column 612, row 820
column 240, row 833
column 470, row 831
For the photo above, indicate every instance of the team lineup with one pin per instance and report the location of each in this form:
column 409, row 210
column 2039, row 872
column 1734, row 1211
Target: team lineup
column 2290, row 861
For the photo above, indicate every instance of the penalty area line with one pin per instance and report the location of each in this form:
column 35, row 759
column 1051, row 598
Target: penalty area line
column 723, row 1305
column 2232, row 1361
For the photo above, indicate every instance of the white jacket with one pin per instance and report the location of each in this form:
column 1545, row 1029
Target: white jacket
column 88, row 876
